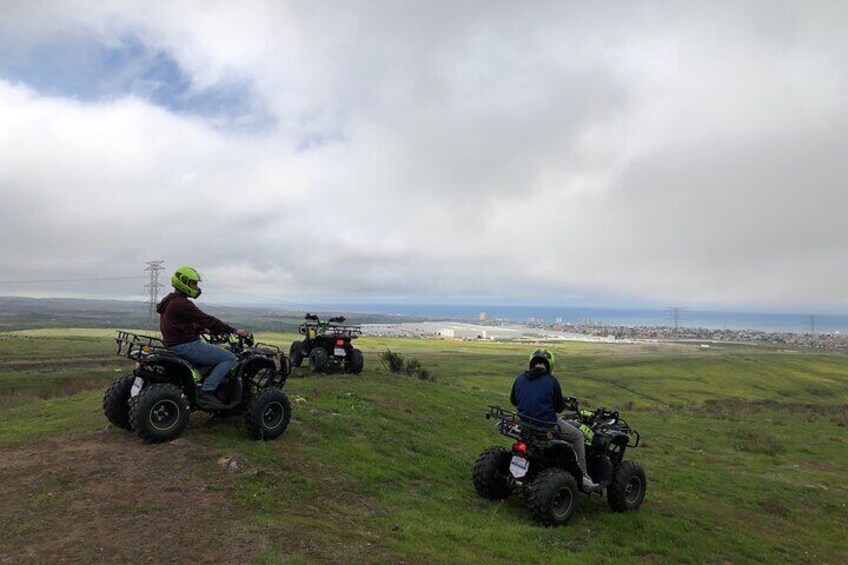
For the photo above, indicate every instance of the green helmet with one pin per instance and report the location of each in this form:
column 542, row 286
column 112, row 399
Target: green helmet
column 182, row 279
column 545, row 356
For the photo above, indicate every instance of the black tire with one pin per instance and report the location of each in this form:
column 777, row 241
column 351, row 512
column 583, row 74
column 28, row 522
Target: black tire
column 159, row 413
column 318, row 360
column 116, row 402
column 269, row 414
column 553, row 497
column 491, row 475
column 296, row 354
column 355, row 362
column 627, row 490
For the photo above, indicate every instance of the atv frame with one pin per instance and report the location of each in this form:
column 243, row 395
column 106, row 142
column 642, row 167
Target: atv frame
column 327, row 345
column 543, row 466
column 157, row 397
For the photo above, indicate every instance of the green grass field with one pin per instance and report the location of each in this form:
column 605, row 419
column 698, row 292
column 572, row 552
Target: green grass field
column 746, row 452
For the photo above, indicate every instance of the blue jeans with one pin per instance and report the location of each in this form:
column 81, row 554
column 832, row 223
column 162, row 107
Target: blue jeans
column 201, row 353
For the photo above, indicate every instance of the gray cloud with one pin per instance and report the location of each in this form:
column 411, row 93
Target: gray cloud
column 651, row 152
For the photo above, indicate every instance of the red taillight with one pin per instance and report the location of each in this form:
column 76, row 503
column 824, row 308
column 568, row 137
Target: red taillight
column 339, row 342
column 520, row 447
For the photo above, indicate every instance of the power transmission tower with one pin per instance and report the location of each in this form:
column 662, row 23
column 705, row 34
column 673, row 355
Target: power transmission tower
column 676, row 313
column 812, row 324
column 154, row 268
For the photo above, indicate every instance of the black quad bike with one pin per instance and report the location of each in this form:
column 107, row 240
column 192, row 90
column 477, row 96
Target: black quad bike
column 543, row 467
column 327, row 345
column 157, row 397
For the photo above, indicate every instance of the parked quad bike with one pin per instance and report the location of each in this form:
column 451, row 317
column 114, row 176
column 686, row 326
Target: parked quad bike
column 327, row 346
column 543, row 467
column 156, row 399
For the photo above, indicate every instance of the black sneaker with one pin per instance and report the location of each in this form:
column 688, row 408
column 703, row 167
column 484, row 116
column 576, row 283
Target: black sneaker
column 208, row 399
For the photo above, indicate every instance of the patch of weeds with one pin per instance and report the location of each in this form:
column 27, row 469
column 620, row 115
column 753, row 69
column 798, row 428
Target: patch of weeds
column 393, row 362
column 753, row 442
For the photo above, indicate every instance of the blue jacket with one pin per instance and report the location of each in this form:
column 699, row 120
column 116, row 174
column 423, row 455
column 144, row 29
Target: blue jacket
column 537, row 395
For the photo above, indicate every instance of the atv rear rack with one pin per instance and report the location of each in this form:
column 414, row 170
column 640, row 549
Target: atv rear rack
column 516, row 426
column 519, row 427
column 133, row 346
column 331, row 330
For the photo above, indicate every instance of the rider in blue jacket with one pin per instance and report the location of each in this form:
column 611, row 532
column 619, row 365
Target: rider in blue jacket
column 537, row 395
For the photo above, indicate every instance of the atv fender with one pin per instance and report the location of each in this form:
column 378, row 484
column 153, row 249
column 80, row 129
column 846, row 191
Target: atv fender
column 167, row 370
column 563, row 455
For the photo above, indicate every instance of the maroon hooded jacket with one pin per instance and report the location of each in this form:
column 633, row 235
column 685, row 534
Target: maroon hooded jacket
column 180, row 321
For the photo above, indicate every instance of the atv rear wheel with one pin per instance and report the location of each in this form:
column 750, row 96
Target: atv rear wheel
column 269, row 414
column 318, row 360
column 159, row 413
column 553, row 497
column 627, row 490
column 491, row 475
column 296, row 354
column 355, row 362
column 116, row 401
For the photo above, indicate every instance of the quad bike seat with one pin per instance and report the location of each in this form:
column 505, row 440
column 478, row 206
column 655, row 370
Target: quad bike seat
column 204, row 370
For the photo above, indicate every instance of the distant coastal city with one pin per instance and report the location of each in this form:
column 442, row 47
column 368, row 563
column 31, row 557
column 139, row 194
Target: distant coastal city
column 588, row 329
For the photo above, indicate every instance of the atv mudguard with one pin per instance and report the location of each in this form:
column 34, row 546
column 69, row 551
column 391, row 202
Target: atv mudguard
column 168, row 368
column 560, row 454
column 251, row 366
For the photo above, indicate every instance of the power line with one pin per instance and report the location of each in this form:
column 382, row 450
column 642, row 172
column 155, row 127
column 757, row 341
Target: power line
column 28, row 281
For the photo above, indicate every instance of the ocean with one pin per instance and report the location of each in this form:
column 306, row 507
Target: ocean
column 765, row 321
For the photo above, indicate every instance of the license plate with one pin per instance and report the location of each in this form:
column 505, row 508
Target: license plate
column 136, row 387
column 518, row 467
column 339, row 352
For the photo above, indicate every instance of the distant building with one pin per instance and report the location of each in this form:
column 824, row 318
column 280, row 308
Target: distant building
column 483, row 316
column 559, row 320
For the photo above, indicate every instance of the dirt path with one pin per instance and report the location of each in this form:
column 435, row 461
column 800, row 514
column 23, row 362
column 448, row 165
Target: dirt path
column 107, row 497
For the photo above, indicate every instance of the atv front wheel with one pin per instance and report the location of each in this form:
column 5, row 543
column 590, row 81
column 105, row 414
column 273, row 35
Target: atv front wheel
column 116, row 401
column 318, row 360
column 627, row 490
column 269, row 414
column 355, row 362
column 553, row 497
column 159, row 413
column 491, row 475
column 296, row 354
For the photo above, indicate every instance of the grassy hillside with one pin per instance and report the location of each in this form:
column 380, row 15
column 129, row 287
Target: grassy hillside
column 746, row 452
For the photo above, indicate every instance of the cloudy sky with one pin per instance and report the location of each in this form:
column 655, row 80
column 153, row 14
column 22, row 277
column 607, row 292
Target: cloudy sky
column 691, row 153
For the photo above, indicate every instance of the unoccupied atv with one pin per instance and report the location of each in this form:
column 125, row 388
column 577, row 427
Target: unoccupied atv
column 543, row 467
column 327, row 345
column 157, row 397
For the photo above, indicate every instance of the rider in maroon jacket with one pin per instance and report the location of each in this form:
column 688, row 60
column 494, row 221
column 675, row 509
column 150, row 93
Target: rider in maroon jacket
column 181, row 323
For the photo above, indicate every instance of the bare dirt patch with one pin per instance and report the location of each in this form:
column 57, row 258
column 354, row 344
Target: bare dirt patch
column 106, row 496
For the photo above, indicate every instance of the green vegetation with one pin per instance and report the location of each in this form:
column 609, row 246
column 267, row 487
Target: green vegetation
column 745, row 450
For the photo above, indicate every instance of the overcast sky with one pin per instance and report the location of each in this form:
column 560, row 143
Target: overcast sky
column 641, row 153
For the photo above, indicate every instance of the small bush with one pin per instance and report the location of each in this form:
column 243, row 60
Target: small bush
column 393, row 362
column 413, row 367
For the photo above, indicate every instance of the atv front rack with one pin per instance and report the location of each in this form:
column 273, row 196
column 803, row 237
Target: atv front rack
column 133, row 346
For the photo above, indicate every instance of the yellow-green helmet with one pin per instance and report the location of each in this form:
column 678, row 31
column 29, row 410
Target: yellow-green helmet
column 545, row 356
column 182, row 279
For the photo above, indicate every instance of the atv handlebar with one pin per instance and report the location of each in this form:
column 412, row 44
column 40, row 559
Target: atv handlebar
column 236, row 341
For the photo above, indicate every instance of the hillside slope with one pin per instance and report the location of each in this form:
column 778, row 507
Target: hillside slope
column 745, row 451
